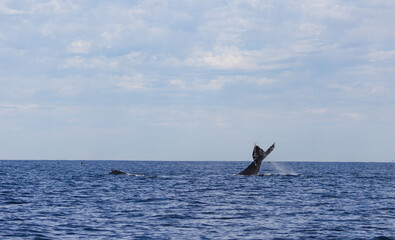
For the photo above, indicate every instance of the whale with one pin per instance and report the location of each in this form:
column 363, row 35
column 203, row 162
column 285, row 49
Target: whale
column 257, row 155
column 116, row 172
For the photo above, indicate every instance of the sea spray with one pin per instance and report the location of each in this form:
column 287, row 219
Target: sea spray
column 281, row 169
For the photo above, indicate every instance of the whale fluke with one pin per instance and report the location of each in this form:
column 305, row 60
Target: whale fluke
column 116, row 172
column 258, row 155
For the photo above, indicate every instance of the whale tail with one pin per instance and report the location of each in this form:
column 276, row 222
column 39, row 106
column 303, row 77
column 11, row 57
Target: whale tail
column 258, row 155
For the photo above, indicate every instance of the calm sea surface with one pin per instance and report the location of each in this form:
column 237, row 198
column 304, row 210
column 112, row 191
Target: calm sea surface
column 196, row 200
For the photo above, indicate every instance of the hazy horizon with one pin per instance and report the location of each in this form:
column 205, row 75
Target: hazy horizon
column 168, row 160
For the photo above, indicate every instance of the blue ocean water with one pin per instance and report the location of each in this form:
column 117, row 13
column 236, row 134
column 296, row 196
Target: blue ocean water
column 196, row 200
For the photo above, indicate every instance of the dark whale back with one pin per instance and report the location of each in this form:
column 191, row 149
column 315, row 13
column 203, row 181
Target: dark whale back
column 116, row 172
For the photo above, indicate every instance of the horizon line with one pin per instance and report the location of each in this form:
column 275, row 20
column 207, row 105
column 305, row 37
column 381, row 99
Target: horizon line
column 166, row 160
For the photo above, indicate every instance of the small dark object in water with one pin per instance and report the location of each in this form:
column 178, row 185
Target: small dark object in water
column 117, row 172
column 258, row 155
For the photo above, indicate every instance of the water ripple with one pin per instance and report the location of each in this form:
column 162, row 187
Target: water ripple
column 196, row 200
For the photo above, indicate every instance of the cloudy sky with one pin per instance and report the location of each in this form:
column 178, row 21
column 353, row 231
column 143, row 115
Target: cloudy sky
column 197, row 80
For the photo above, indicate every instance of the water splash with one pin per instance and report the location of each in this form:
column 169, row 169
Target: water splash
column 281, row 169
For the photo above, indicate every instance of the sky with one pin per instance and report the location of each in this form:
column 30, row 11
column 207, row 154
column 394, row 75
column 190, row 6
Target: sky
column 197, row 80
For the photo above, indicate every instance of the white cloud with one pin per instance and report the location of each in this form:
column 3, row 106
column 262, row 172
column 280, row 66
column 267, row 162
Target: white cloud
column 12, row 108
column 309, row 29
column 381, row 56
column 318, row 111
column 225, row 26
column 136, row 81
column 9, row 11
column 55, row 7
column 327, row 9
column 135, row 58
column 219, row 82
column 231, row 57
column 178, row 83
column 353, row 115
column 365, row 89
column 222, row 58
column 215, row 84
column 182, row 117
column 99, row 63
column 259, row 81
column 80, row 47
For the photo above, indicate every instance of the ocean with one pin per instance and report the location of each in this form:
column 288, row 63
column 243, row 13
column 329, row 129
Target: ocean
column 196, row 200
